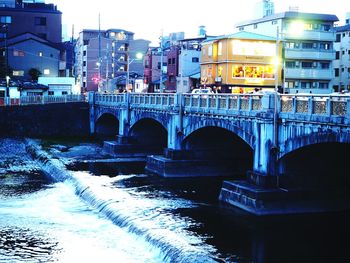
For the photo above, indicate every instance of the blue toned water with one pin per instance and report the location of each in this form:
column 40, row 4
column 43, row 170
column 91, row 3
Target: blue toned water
column 116, row 212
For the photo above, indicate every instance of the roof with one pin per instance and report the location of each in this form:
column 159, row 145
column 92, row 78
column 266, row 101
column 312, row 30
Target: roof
column 292, row 15
column 32, row 85
column 342, row 28
column 30, row 36
column 242, row 35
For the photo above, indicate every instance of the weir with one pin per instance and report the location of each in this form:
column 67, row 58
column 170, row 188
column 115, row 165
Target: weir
column 111, row 204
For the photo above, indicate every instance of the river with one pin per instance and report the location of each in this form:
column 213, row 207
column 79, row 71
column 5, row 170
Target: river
column 97, row 209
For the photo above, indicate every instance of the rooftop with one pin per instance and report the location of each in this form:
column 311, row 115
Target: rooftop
column 292, row 15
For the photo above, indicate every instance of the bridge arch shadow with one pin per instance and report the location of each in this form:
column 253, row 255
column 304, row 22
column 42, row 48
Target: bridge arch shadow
column 217, row 144
column 107, row 127
column 320, row 168
column 149, row 134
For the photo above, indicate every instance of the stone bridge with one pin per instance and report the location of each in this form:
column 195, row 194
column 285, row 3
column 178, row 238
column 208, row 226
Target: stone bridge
column 280, row 143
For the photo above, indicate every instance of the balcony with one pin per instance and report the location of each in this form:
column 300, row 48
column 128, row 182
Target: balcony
column 298, row 73
column 312, row 35
column 313, row 54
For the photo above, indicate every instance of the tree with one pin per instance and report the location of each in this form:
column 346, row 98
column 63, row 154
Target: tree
column 34, row 73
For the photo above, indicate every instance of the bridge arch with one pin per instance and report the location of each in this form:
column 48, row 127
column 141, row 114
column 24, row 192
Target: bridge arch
column 217, row 144
column 237, row 130
column 149, row 133
column 107, row 126
column 296, row 143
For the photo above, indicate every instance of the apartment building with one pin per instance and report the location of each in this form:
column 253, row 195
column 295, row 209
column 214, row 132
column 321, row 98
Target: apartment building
column 308, row 49
column 342, row 58
column 103, row 58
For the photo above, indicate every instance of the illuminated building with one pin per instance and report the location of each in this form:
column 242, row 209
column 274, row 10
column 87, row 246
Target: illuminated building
column 239, row 62
column 307, row 41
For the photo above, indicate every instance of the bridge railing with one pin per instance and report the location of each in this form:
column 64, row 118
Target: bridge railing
column 110, row 99
column 323, row 105
column 152, row 100
column 222, row 103
column 32, row 100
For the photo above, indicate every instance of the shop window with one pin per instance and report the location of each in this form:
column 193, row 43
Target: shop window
column 5, row 19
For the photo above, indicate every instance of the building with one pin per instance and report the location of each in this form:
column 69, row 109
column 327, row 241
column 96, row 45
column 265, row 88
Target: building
column 28, row 51
column 239, row 63
column 36, row 17
column 264, row 8
column 189, row 63
column 342, row 58
column 153, row 60
column 307, row 41
column 103, row 58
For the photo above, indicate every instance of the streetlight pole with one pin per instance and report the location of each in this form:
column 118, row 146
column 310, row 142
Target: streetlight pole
column 275, row 113
column 7, row 77
column 138, row 57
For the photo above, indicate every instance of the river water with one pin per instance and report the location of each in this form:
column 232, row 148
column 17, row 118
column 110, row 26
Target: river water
column 94, row 210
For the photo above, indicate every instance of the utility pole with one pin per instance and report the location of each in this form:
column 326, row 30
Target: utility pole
column 99, row 53
column 161, row 64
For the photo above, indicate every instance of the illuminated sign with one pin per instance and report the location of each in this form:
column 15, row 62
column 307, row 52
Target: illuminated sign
column 253, row 48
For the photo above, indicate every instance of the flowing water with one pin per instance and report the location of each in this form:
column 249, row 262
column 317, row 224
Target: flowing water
column 95, row 210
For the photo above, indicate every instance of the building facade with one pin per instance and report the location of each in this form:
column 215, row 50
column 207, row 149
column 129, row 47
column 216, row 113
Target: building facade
column 103, row 57
column 308, row 50
column 342, row 59
column 240, row 62
column 43, row 20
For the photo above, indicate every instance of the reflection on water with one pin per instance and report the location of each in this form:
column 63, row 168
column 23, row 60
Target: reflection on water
column 126, row 215
column 23, row 245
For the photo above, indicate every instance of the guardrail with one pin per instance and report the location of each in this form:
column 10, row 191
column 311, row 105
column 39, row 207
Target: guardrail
column 34, row 100
column 299, row 104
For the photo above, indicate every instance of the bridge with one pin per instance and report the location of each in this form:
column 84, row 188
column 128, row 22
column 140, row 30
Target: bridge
column 285, row 146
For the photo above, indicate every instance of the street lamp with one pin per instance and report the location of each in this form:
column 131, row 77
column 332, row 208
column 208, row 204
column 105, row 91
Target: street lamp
column 138, row 56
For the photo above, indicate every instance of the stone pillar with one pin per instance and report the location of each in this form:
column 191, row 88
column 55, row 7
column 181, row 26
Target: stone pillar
column 91, row 99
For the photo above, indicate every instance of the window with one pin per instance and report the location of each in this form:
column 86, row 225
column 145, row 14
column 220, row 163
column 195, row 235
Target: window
column 84, row 53
column 84, row 73
column 325, row 46
column 255, row 26
column 324, row 65
column 40, row 54
column 169, row 61
column 50, row 93
column 5, row 19
column 40, row 21
column 64, row 92
column 210, row 51
column 291, row 45
column 338, row 38
column 306, row 84
column 307, row 45
column 84, row 63
column 306, row 64
column 323, row 85
column 289, row 84
column 336, row 72
column 46, row 71
column 220, row 48
column 173, row 60
column 290, row 64
column 241, row 28
column 158, row 65
column 308, row 26
column 325, row 27
column 18, row 73
column 337, row 55
column 274, row 22
column 195, row 60
column 18, row 53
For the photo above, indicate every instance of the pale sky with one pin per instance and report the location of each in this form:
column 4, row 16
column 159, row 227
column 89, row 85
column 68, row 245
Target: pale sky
column 148, row 18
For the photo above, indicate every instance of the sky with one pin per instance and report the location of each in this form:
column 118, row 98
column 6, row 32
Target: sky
column 148, row 19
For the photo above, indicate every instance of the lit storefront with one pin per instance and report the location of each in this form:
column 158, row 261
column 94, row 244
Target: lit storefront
column 240, row 63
